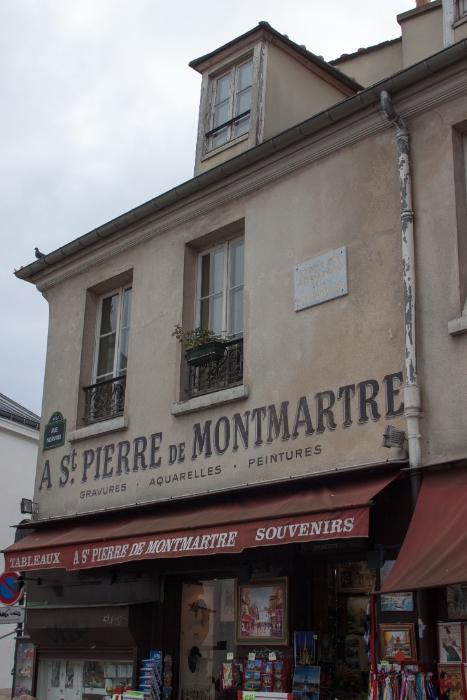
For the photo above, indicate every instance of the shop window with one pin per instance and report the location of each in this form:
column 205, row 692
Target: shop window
column 82, row 679
column 231, row 103
column 207, row 636
column 105, row 397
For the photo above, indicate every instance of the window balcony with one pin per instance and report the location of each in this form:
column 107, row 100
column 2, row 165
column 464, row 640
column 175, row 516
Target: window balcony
column 217, row 374
column 104, row 400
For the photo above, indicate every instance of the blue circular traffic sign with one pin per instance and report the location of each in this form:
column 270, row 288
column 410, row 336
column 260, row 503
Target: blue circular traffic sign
column 7, row 595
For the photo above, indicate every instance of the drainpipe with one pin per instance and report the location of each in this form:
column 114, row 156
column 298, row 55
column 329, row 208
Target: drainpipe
column 412, row 389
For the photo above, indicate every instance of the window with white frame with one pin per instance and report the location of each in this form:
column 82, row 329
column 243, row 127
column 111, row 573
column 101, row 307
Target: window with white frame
column 113, row 332
column 220, row 289
column 462, row 8
column 231, row 103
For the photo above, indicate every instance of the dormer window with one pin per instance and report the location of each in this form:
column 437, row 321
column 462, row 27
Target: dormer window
column 231, row 105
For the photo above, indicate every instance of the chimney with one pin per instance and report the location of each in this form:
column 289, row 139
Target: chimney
column 419, row 3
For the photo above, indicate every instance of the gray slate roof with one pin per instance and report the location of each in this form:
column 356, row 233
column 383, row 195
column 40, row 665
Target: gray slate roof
column 13, row 411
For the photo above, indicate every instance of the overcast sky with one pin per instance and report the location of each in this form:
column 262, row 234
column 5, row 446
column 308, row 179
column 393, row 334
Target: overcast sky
column 99, row 114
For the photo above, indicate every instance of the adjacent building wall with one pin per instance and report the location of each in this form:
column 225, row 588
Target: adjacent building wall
column 18, row 457
column 373, row 64
column 422, row 32
column 293, row 92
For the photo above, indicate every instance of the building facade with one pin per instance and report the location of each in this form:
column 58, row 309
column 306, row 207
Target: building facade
column 221, row 498
column 19, row 439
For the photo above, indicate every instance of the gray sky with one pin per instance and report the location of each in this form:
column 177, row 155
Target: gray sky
column 99, row 114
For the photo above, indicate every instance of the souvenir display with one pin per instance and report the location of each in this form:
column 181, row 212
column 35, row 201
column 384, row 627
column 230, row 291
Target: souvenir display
column 227, row 677
column 450, row 642
column 451, row 682
column 397, row 638
column 150, row 680
column 394, row 601
column 456, row 598
column 305, row 685
column 393, row 682
column 354, row 577
column 261, row 612
column 305, row 648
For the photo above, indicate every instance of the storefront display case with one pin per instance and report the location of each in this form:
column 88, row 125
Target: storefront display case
column 24, row 667
column 75, row 678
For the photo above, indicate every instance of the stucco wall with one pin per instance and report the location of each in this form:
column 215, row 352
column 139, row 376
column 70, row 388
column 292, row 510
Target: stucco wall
column 293, row 92
column 369, row 68
column 18, row 456
column 422, row 34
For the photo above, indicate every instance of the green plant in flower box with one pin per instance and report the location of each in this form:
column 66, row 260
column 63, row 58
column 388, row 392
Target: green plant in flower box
column 200, row 345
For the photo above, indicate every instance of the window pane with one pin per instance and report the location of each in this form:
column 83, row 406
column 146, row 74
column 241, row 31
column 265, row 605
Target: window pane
column 221, row 114
column 205, row 275
column 236, row 263
column 126, row 313
column 220, row 137
column 242, row 126
column 204, row 323
column 236, row 311
column 215, row 314
column 217, row 271
column 243, row 101
column 105, row 362
column 245, row 76
column 109, row 314
column 123, row 349
column 223, row 88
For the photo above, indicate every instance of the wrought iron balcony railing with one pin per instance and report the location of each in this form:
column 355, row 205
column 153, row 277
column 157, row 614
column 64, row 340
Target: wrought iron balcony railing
column 105, row 399
column 217, row 374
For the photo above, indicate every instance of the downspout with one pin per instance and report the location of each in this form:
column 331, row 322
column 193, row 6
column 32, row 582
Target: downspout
column 412, row 389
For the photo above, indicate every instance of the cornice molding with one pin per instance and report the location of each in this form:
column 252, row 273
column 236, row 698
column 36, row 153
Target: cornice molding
column 433, row 91
column 18, row 430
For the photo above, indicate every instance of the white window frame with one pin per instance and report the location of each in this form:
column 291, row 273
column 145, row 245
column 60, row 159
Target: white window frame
column 226, row 245
column 461, row 9
column 231, row 138
column 120, row 291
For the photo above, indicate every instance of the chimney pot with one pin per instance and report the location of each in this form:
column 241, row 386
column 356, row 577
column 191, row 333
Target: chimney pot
column 419, row 3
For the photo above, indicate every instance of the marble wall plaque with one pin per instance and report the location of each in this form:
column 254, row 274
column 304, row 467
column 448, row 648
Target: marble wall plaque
column 320, row 279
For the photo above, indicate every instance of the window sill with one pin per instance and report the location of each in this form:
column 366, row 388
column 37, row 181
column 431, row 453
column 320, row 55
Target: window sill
column 114, row 425
column 461, row 20
column 457, row 325
column 198, row 403
column 225, row 146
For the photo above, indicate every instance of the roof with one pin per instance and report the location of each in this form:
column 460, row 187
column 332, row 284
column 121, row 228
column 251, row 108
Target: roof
column 13, row 411
column 328, row 117
column 361, row 52
column 312, row 58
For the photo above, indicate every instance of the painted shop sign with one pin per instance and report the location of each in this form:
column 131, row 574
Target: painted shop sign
column 54, row 433
column 258, row 445
column 320, row 279
column 225, row 538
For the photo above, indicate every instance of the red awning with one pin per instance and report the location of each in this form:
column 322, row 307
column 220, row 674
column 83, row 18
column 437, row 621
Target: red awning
column 434, row 552
column 301, row 516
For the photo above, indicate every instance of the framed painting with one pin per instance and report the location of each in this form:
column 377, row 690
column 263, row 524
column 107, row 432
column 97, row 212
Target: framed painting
column 261, row 612
column 354, row 577
column 397, row 638
column 356, row 612
column 450, row 642
column 451, row 682
column 456, row 598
